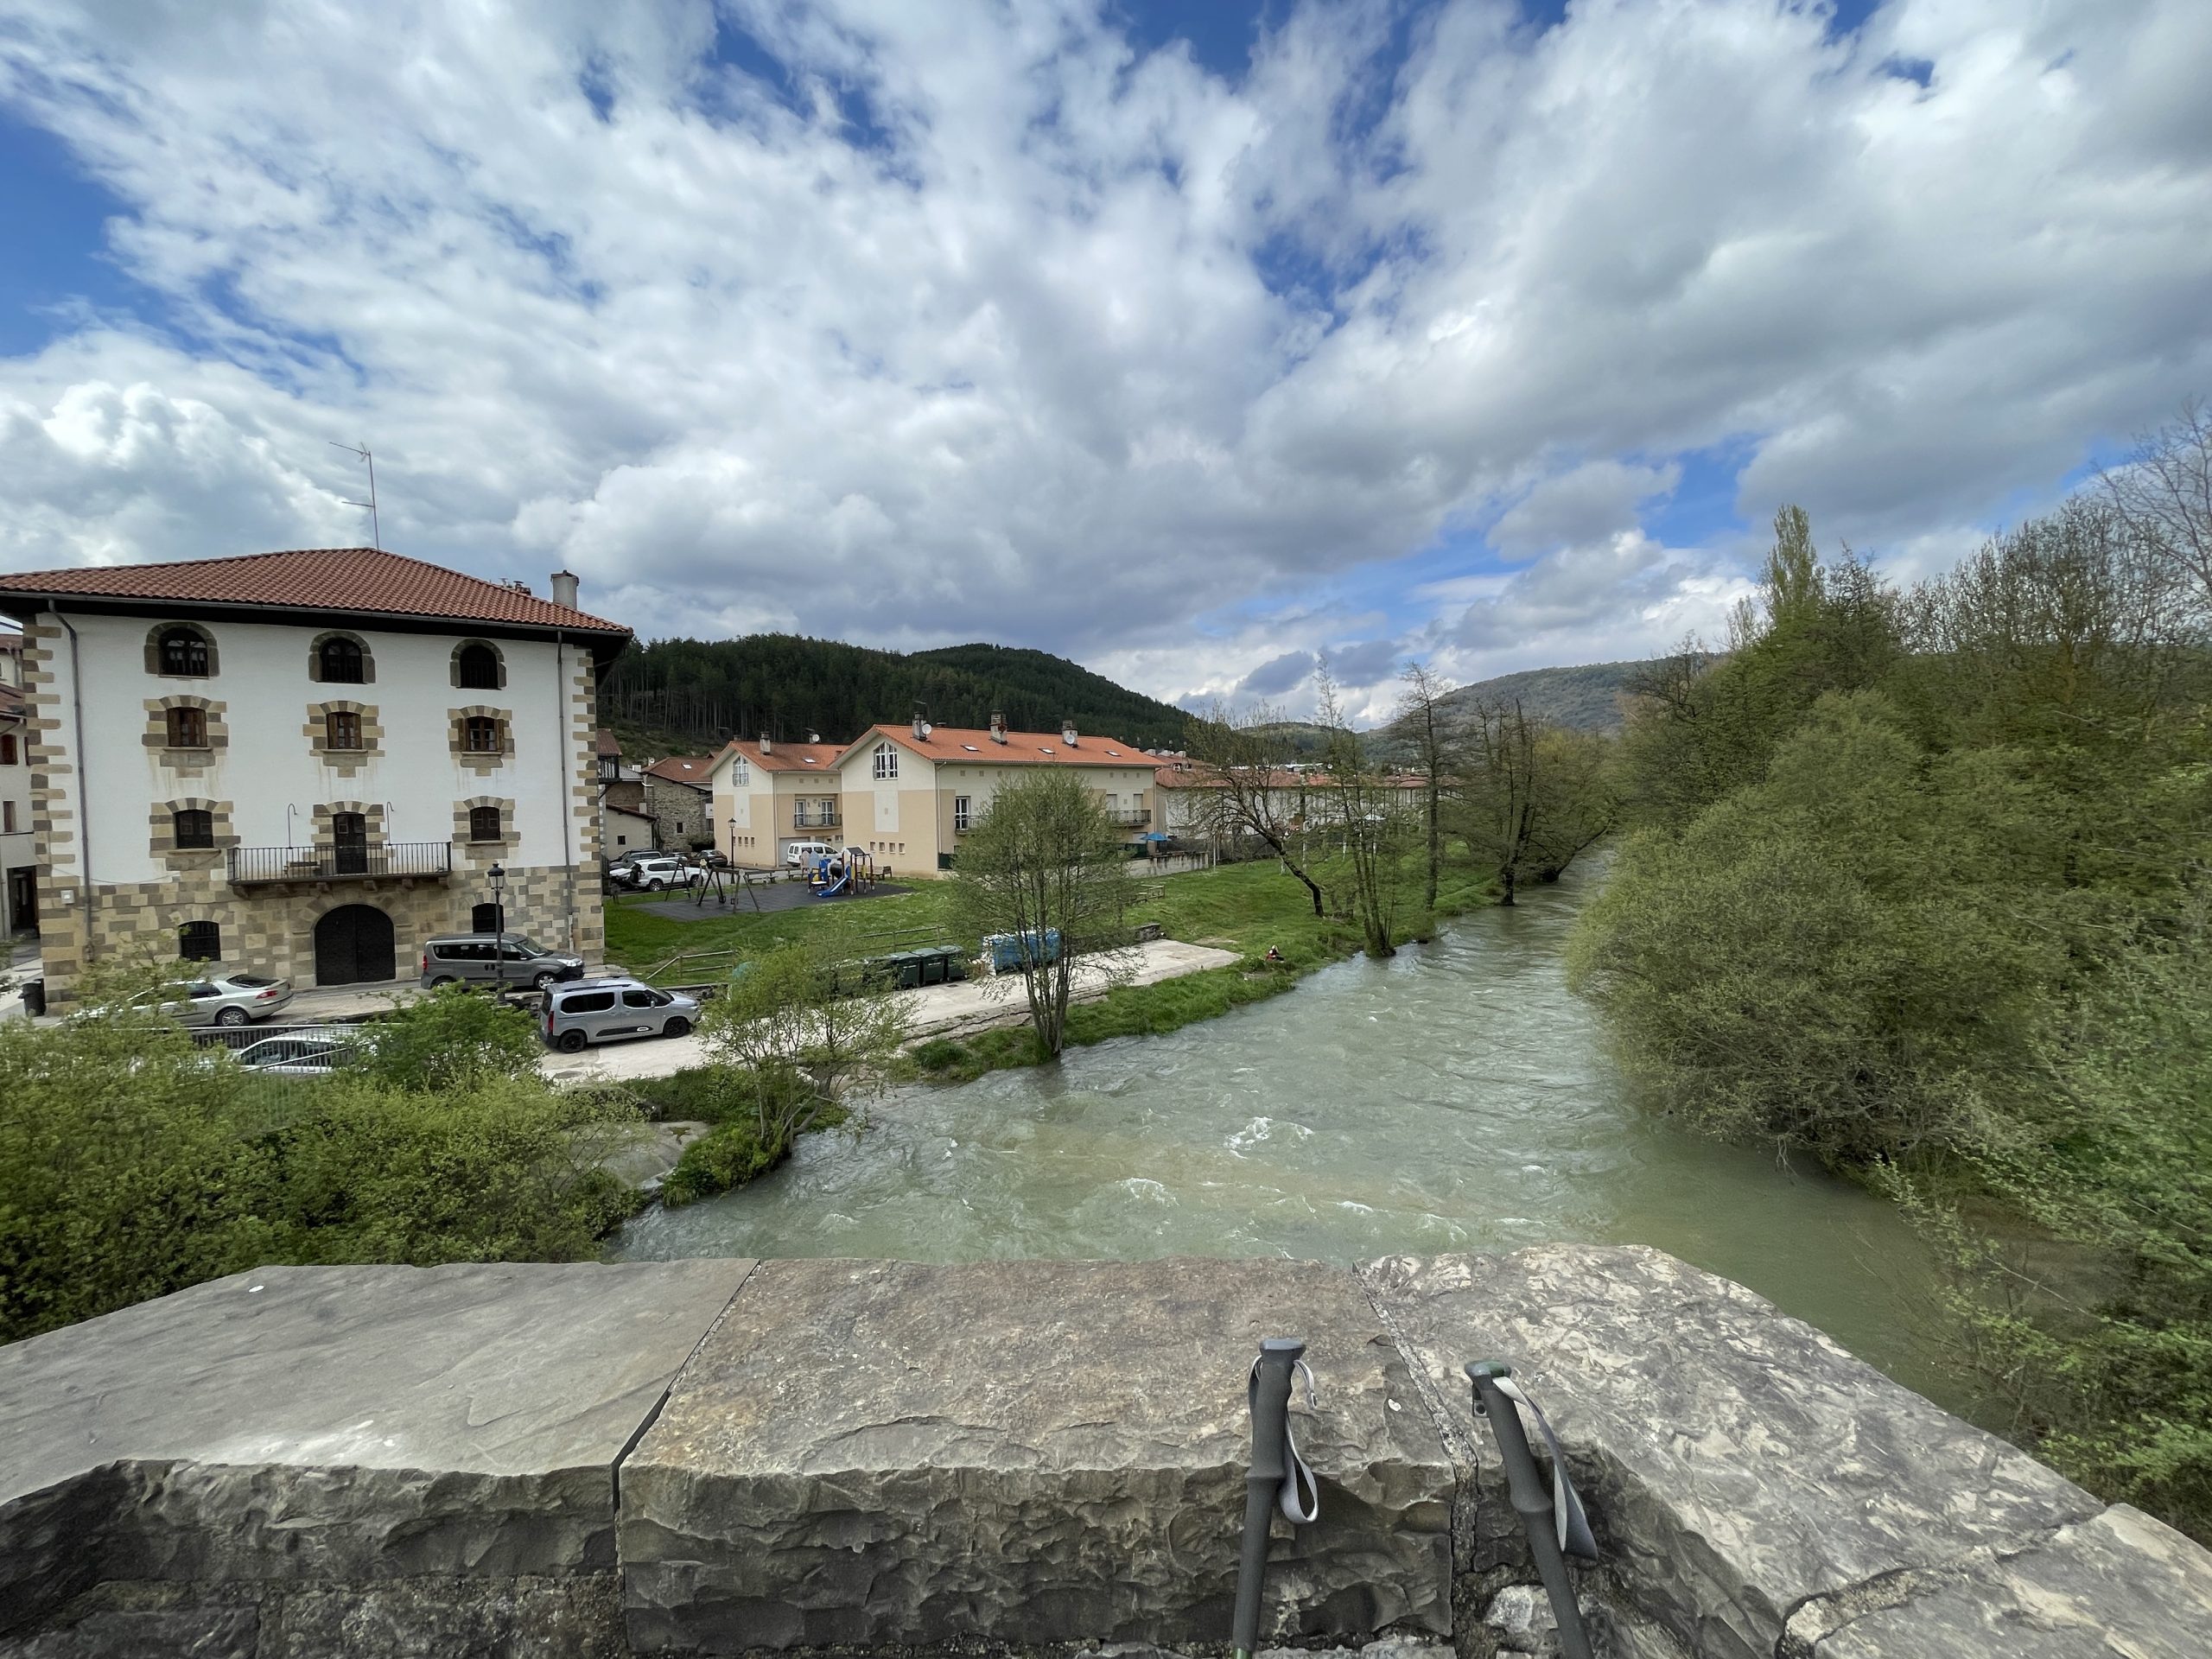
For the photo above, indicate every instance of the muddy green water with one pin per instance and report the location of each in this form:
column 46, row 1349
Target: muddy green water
column 1456, row 1098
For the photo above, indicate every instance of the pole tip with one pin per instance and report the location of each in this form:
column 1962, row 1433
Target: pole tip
column 1479, row 1369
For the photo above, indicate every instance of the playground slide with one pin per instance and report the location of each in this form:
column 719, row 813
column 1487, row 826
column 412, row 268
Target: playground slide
column 844, row 880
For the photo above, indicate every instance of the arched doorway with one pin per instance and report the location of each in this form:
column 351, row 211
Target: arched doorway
column 353, row 944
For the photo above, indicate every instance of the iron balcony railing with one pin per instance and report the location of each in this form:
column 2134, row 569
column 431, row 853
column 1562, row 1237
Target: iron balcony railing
column 253, row 865
column 1130, row 817
column 817, row 821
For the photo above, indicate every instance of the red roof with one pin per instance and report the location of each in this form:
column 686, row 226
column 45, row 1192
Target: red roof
column 970, row 747
column 785, row 757
column 683, row 769
column 607, row 744
column 363, row 579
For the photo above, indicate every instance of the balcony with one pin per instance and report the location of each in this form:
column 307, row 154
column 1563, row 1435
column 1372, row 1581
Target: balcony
column 419, row 861
column 817, row 821
column 1130, row 817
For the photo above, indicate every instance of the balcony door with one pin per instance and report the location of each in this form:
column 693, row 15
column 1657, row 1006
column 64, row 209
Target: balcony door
column 349, row 844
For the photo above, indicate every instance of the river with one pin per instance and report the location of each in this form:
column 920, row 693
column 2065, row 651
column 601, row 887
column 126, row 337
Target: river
column 1455, row 1098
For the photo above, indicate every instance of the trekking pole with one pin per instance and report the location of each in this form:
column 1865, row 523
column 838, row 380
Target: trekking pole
column 1278, row 1476
column 1550, row 1512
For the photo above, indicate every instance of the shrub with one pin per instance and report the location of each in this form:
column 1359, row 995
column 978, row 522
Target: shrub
column 451, row 1039
column 726, row 1156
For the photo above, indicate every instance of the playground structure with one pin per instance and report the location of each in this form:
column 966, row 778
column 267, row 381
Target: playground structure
column 843, row 874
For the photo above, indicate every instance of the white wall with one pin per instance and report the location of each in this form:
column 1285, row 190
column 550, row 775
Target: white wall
column 261, row 683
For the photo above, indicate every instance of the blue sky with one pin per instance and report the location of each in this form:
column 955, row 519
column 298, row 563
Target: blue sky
column 1191, row 340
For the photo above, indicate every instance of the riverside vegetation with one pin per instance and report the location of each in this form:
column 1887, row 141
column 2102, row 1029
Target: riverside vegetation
column 134, row 1163
column 1920, row 885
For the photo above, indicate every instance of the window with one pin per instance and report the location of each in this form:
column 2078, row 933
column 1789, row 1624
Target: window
column 799, row 818
column 200, row 942
column 484, row 823
column 480, row 735
column 341, row 729
column 193, row 827
column 341, row 661
column 7, row 818
column 643, row 1000
column 886, row 761
column 588, row 1002
column 188, row 729
column 6, row 749
column 960, row 816
column 184, row 652
column 480, row 667
column 484, row 919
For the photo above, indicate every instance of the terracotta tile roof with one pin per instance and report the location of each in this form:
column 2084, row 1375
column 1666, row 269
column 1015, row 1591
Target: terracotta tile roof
column 607, row 744
column 315, row 579
column 970, row 746
column 683, row 769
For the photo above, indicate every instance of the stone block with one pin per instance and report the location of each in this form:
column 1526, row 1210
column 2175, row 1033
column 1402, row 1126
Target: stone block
column 1023, row 1453
column 340, row 1424
column 1735, row 1462
column 2121, row 1584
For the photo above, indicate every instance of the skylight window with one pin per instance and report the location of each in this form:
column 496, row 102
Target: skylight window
column 1044, row 749
column 971, row 748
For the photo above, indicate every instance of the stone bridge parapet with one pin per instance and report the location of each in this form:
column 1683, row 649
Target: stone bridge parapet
column 725, row 1456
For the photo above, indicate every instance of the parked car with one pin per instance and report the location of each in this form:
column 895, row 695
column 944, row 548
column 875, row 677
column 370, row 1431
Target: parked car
column 655, row 873
column 800, row 854
column 220, row 996
column 306, row 1054
column 494, row 959
column 599, row 1010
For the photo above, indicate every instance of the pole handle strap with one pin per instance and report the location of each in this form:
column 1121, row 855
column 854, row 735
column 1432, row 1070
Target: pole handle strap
column 1298, row 1498
column 1574, row 1534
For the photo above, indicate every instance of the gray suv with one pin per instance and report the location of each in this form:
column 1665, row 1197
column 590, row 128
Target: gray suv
column 477, row 959
column 595, row 1010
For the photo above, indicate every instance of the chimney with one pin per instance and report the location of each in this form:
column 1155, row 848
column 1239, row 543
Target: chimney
column 1067, row 732
column 519, row 587
column 921, row 726
column 998, row 726
column 764, row 743
column 564, row 588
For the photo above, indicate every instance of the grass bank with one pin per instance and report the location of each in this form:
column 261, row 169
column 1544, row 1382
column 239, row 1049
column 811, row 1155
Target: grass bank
column 1247, row 908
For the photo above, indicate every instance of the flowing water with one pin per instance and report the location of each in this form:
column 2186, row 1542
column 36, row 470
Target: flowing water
column 1455, row 1098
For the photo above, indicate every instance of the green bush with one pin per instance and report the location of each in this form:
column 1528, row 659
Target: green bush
column 698, row 1094
column 133, row 1164
column 728, row 1155
column 452, row 1037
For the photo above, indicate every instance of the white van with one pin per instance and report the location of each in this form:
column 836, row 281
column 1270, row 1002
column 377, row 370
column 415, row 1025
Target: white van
column 799, row 854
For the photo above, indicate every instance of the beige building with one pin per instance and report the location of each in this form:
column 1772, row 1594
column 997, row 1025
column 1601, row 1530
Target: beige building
column 911, row 792
column 767, row 795
column 306, row 763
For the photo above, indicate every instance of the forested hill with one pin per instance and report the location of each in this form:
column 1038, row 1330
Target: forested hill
column 696, row 694
column 1587, row 698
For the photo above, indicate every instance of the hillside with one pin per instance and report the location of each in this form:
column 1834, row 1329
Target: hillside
column 1587, row 698
column 693, row 694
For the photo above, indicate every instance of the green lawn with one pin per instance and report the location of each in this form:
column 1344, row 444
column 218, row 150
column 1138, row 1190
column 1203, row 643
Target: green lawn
column 1241, row 907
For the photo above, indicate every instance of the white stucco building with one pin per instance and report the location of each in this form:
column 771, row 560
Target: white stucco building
column 18, row 846
column 305, row 763
column 768, row 795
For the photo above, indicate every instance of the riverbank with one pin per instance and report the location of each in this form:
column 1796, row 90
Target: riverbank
column 1246, row 910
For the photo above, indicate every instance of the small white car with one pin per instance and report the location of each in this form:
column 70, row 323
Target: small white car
column 655, row 873
column 800, row 854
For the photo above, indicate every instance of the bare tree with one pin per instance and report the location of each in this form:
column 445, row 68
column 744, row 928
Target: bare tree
column 1423, row 720
column 2165, row 491
column 1243, row 763
column 1498, row 807
column 1366, row 814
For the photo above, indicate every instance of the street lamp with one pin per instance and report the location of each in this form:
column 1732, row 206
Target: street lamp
column 500, row 927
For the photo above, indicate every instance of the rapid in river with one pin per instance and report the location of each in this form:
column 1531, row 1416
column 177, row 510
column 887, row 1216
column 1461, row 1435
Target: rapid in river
column 1457, row 1097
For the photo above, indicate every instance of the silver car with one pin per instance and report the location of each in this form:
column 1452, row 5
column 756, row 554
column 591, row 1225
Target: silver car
column 601, row 1010
column 494, row 959
column 220, row 996
column 302, row 1054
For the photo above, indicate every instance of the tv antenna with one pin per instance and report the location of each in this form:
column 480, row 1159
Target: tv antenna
column 376, row 530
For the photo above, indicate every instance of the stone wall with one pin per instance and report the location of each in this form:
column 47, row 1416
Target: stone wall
column 723, row 1458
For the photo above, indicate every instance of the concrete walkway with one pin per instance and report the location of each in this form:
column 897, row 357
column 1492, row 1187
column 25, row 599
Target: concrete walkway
column 934, row 1011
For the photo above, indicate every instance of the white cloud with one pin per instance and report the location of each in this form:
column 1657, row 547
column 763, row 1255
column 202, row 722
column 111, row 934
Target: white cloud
column 1087, row 349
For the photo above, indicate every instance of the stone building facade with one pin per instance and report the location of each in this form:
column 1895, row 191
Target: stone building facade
column 305, row 764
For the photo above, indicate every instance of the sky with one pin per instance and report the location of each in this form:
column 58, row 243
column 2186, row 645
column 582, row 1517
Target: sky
column 1198, row 341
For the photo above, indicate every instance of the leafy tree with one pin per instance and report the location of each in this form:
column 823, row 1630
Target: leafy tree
column 1367, row 818
column 2164, row 492
column 802, row 1042
column 449, row 1038
column 1044, row 861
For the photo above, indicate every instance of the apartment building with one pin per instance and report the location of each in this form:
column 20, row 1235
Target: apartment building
column 305, row 763
column 768, row 794
column 911, row 792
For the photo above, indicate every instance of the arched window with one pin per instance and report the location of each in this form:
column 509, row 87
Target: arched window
column 184, row 652
column 484, row 823
column 480, row 735
column 341, row 661
column 480, row 667
column 193, row 828
column 200, row 942
column 886, row 760
column 188, row 729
